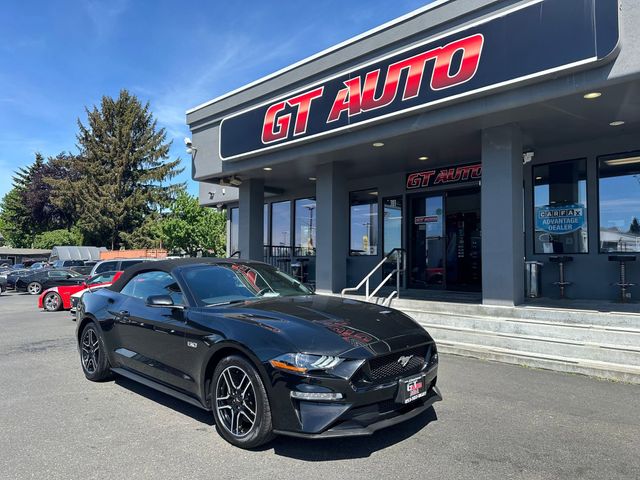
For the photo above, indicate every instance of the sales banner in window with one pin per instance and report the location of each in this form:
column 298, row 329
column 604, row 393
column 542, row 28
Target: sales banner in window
column 528, row 41
column 560, row 220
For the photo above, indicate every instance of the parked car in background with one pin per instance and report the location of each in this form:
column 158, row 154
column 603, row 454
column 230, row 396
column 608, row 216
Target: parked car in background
column 59, row 298
column 67, row 263
column 38, row 265
column 14, row 274
column 117, row 265
column 82, row 270
column 40, row 280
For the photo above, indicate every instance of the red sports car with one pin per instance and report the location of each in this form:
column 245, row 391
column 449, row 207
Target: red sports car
column 59, row 298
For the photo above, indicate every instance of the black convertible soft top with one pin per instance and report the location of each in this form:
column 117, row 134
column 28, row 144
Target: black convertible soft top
column 170, row 265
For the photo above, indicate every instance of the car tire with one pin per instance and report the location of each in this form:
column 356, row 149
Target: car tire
column 244, row 417
column 52, row 302
column 93, row 359
column 34, row 288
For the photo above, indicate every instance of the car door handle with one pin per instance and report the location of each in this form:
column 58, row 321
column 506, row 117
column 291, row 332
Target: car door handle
column 122, row 316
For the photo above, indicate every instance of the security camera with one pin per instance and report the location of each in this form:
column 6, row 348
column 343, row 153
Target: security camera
column 187, row 142
column 527, row 157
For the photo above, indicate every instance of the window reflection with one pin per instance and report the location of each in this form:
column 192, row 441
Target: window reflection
column 233, row 231
column 364, row 223
column 619, row 194
column 560, row 197
column 305, row 232
column 281, row 224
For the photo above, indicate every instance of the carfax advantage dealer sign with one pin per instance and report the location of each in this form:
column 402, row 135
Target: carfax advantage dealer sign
column 531, row 40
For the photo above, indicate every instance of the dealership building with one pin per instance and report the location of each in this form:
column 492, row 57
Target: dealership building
column 476, row 141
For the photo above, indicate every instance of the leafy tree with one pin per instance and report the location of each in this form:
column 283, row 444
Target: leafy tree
column 192, row 229
column 16, row 225
column 58, row 237
column 635, row 226
column 148, row 235
column 27, row 209
column 121, row 172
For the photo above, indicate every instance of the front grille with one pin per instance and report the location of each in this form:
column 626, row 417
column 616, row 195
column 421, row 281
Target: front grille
column 388, row 367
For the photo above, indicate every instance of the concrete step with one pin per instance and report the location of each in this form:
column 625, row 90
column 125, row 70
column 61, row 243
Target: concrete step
column 603, row 370
column 612, row 318
column 598, row 334
column 536, row 344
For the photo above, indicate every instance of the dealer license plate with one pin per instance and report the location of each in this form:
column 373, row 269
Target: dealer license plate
column 411, row 389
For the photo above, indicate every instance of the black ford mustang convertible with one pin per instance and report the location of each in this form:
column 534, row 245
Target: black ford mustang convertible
column 258, row 349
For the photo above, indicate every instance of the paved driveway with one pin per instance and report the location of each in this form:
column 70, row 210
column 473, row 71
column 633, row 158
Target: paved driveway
column 496, row 422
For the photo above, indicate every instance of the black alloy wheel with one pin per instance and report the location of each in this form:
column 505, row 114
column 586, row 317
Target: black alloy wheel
column 92, row 354
column 52, row 302
column 239, row 403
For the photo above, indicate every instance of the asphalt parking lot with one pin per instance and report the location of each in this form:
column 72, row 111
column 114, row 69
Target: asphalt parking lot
column 496, row 422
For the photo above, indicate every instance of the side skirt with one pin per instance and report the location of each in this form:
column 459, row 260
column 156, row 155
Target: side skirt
column 158, row 386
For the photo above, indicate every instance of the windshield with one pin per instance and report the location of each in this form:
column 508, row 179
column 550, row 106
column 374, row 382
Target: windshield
column 227, row 283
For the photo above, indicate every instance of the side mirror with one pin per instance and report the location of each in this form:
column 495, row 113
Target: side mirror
column 162, row 301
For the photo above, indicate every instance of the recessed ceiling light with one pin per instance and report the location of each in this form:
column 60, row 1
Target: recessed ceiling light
column 267, row 169
column 378, row 144
column 423, row 158
column 592, row 95
column 538, row 178
column 617, row 123
column 313, row 179
column 623, row 161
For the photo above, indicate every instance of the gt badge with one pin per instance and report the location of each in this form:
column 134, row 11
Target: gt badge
column 192, row 344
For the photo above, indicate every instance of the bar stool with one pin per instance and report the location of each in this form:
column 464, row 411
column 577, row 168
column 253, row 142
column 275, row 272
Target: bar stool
column 561, row 260
column 623, row 284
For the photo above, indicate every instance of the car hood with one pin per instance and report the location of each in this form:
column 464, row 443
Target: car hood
column 332, row 325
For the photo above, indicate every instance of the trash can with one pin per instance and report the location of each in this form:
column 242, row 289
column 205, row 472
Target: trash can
column 296, row 270
column 533, row 284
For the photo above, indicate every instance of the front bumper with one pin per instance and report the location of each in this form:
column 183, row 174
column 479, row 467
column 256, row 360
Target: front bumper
column 361, row 412
column 358, row 427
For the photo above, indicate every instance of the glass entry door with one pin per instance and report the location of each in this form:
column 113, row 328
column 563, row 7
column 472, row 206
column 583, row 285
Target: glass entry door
column 462, row 226
column 427, row 244
column 445, row 242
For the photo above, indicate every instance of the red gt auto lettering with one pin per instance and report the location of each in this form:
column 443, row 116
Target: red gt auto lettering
column 444, row 176
column 355, row 99
column 277, row 127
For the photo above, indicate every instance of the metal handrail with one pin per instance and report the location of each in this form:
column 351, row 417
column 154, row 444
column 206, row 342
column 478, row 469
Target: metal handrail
column 401, row 258
column 236, row 253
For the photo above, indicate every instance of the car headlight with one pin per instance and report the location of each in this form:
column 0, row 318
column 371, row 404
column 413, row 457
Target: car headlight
column 303, row 363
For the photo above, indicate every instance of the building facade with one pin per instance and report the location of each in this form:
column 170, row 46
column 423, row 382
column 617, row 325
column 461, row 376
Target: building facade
column 469, row 137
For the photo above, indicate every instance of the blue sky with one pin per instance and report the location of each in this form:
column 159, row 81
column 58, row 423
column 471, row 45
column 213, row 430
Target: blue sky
column 56, row 57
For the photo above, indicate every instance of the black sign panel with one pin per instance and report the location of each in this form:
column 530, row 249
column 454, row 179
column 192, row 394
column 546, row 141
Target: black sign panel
column 532, row 40
column 437, row 177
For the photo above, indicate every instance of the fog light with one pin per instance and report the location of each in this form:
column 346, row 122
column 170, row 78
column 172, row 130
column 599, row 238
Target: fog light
column 317, row 396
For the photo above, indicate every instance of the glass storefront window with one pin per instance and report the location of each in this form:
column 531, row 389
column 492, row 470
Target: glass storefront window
column 281, row 224
column 392, row 223
column 233, row 230
column 364, row 223
column 305, row 228
column 619, row 194
column 265, row 225
column 560, row 199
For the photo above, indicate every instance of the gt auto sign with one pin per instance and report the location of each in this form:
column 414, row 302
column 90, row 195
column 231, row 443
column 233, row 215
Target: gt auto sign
column 359, row 94
column 537, row 38
column 444, row 176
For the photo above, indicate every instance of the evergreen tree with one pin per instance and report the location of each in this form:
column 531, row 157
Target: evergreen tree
column 121, row 172
column 635, row 226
